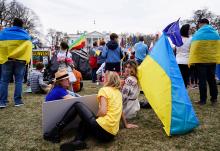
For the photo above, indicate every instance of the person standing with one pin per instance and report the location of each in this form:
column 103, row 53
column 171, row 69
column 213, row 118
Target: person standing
column 205, row 53
column 182, row 53
column 141, row 50
column 15, row 52
column 113, row 54
column 100, row 60
column 93, row 61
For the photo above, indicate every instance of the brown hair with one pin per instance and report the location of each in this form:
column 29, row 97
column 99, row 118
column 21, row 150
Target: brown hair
column 39, row 66
column 113, row 80
column 102, row 43
column 134, row 66
column 64, row 45
column 113, row 36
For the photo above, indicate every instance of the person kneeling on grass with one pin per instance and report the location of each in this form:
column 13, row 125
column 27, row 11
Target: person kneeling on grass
column 78, row 85
column 104, row 126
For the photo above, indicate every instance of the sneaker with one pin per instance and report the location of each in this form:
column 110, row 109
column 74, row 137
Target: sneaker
column 20, row 104
column 74, row 145
column 2, row 106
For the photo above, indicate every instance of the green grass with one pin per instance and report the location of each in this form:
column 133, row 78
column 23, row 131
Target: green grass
column 21, row 128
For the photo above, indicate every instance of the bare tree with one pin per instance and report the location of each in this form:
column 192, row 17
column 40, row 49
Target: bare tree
column 4, row 13
column 204, row 13
column 13, row 9
column 54, row 37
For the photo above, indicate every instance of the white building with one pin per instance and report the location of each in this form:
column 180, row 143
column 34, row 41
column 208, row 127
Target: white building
column 90, row 38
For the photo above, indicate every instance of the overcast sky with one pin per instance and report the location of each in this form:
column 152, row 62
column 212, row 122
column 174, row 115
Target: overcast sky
column 144, row 16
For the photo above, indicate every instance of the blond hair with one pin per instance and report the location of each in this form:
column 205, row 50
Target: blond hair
column 113, row 80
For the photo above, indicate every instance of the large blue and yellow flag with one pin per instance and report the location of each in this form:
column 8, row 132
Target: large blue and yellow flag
column 205, row 46
column 163, row 86
column 15, row 43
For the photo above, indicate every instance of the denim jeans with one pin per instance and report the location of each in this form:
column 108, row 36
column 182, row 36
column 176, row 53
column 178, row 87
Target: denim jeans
column 0, row 70
column 9, row 69
column 94, row 75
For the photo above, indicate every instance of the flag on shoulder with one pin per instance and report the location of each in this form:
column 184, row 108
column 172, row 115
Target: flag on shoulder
column 205, row 46
column 15, row 43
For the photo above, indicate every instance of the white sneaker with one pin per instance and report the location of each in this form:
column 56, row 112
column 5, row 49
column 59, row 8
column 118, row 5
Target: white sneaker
column 2, row 106
column 17, row 105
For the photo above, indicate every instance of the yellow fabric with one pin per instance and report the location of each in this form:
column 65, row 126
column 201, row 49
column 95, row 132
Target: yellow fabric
column 15, row 49
column 97, row 52
column 157, row 88
column 205, row 51
column 110, row 122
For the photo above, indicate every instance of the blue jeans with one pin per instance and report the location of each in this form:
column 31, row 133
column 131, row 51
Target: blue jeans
column 94, row 75
column 9, row 69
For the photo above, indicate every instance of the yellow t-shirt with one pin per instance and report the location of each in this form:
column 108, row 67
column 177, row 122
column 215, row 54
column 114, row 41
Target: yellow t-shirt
column 110, row 122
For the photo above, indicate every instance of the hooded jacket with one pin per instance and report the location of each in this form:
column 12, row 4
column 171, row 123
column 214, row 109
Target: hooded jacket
column 112, row 52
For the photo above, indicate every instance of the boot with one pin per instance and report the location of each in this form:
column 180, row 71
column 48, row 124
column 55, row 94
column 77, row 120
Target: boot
column 74, row 145
column 54, row 135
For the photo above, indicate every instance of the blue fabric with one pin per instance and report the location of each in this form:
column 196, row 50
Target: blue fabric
column 100, row 59
column 183, row 118
column 14, row 33
column 159, row 53
column 206, row 32
column 218, row 71
column 173, row 31
column 56, row 93
column 141, row 51
column 9, row 69
column 112, row 56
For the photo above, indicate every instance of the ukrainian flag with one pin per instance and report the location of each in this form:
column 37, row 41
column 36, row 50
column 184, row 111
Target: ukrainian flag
column 163, row 86
column 15, row 43
column 205, row 47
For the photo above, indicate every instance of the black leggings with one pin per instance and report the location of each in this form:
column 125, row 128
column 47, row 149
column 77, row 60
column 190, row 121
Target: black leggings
column 184, row 69
column 88, row 124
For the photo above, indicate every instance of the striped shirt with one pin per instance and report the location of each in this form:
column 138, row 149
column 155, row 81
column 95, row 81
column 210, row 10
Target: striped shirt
column 36, row 81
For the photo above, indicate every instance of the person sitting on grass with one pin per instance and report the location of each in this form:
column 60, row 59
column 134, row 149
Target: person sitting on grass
column 104, row 126
column 130, row 92
column 60, row 87
column 36, row 80
column 77, row 86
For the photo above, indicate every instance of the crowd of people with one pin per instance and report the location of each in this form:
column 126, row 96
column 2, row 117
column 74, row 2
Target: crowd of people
column 117, row 99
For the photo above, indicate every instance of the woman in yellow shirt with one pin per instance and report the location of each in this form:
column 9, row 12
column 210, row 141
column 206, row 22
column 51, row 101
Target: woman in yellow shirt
column 104, row 126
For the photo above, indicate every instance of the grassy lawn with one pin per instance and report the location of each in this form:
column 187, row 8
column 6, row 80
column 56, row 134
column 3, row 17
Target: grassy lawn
column 21, row 128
